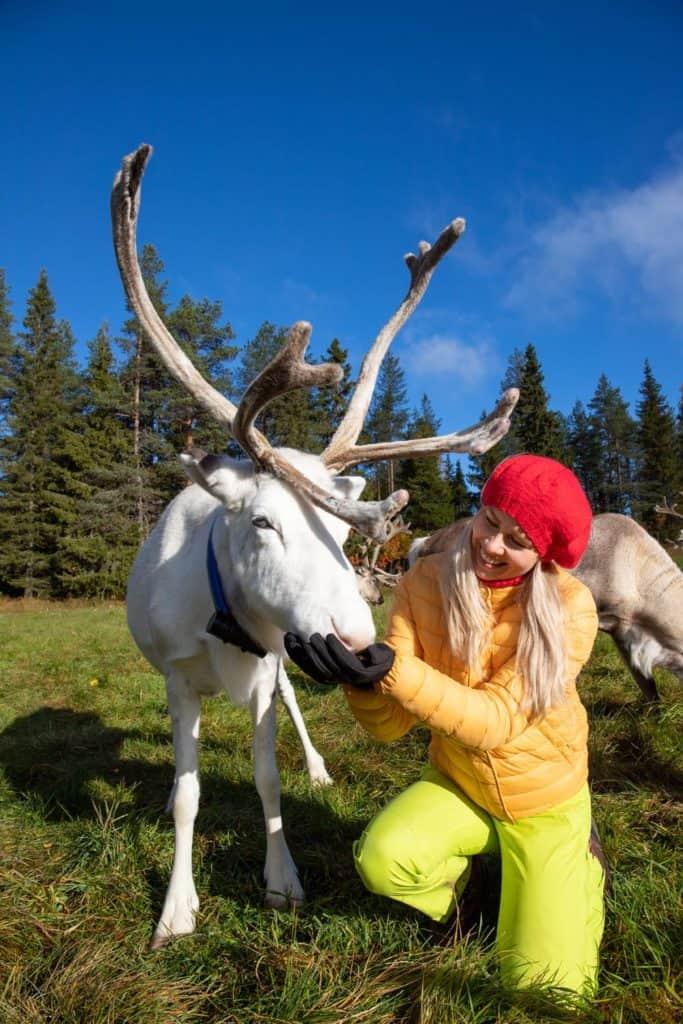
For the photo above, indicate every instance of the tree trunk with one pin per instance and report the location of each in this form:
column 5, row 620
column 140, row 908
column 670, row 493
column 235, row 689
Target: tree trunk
column 137, row 453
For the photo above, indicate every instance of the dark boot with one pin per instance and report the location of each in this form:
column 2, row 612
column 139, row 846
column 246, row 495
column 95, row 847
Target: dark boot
column 480, row 901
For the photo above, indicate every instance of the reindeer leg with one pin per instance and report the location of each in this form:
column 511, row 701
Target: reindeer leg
column 282, row 881
column 181, row 903
column 632, row 653
column 315, row 765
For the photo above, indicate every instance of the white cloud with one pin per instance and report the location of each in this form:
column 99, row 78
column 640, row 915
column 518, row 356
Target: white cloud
column 445, row 355
column 626, row 243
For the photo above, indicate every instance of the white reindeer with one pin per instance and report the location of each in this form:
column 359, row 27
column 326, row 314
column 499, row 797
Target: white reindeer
column 276, row 525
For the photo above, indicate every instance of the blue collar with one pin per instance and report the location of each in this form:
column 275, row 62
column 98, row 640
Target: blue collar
column 223, row 623
column 218, row 594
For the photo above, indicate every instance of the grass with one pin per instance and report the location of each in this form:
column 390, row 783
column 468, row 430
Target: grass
column 86, row 763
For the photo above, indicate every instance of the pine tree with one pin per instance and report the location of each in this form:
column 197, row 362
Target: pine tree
column 430, row 505
column 197, row 328
column 387, row 420
column 679, row 433
column 95, row 556
column 612, row 450
column 6, row 349
column 147, row 386
column 461, row 496
column 584, row 452
column 287, row 421
column 512, row 378
column 535, row 428
column 39, row 488
column 659, row 470
column 480, row 467
column 330, row 404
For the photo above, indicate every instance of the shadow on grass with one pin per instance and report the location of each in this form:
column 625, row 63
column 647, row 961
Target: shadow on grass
column 604, row 708
column 53, row 757
column 55, row 753
column 628, row 761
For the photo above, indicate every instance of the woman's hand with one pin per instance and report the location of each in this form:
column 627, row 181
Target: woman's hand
column 329, row 662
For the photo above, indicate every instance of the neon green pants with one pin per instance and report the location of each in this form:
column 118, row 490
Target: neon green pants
column 551, row 914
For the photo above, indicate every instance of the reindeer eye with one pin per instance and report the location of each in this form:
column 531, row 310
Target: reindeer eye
column 261, row 523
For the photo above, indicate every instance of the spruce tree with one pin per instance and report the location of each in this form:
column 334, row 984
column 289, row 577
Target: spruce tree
column 206, row 342
column 480, row 467
column 96, row 555
column 386, row 421
column 659, row 470
column 330, row 404
column 584, row 453
column 290, row 420
column 430, row 505
column 612, row 449
column 40, row 488
column 535, row 428
column 6, row 350
column 147, row 386
column 461, row 496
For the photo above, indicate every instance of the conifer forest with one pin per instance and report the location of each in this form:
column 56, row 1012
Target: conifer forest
column 89, row 453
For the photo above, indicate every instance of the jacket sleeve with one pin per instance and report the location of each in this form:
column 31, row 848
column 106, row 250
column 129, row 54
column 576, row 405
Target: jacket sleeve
column 491, row 714
column 379, row 714
column 582, row 618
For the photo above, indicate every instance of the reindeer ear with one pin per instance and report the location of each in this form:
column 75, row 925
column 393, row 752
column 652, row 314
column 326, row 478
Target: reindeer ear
column 350, row 487
column 224, row 478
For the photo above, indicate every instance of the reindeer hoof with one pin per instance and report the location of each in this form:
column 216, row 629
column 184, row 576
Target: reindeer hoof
column 281, row 900
column 159, row 941
column 276, row 900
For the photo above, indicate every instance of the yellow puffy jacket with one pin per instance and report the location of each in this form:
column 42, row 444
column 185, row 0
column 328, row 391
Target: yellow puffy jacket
column 482, row 736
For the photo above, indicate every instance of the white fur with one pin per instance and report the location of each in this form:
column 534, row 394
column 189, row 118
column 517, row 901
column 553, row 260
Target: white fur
column 295, row 577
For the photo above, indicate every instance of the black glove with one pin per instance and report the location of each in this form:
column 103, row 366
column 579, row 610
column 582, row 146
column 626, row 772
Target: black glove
column 329, row 662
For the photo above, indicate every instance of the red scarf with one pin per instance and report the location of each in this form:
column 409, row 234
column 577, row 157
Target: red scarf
column 494, row 584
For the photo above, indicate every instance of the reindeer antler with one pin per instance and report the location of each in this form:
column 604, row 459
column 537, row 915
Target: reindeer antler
column 474, row 440
column 666, row 509
column 286, row 371
column 342, row 451
column 125, row 207
column 421, row 269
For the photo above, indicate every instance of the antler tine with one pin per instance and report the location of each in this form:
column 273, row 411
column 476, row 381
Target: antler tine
column 287, row 371
column 666, row 509
column 125, row 207
column 473, row 440
column 421, row 269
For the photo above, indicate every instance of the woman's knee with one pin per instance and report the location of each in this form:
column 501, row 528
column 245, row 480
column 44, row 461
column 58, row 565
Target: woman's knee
column 374, row 855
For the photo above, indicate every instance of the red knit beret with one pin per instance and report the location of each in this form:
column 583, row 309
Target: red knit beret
column 547, row 501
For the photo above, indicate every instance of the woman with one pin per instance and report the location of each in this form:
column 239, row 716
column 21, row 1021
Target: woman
column 484, row 646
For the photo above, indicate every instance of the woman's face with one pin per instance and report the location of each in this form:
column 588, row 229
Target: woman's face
column 500, row 548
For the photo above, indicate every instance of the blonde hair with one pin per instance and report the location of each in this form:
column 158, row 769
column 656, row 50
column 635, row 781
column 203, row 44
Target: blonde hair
column 541, row 655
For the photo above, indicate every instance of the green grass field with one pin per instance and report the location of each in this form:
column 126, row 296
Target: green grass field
column 86, row 764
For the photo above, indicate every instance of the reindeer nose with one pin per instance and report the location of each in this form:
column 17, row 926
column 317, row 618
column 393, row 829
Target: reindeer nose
column 355, row 641
column 346, row 640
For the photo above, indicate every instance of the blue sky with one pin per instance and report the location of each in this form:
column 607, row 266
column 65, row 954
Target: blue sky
column 299, row 154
